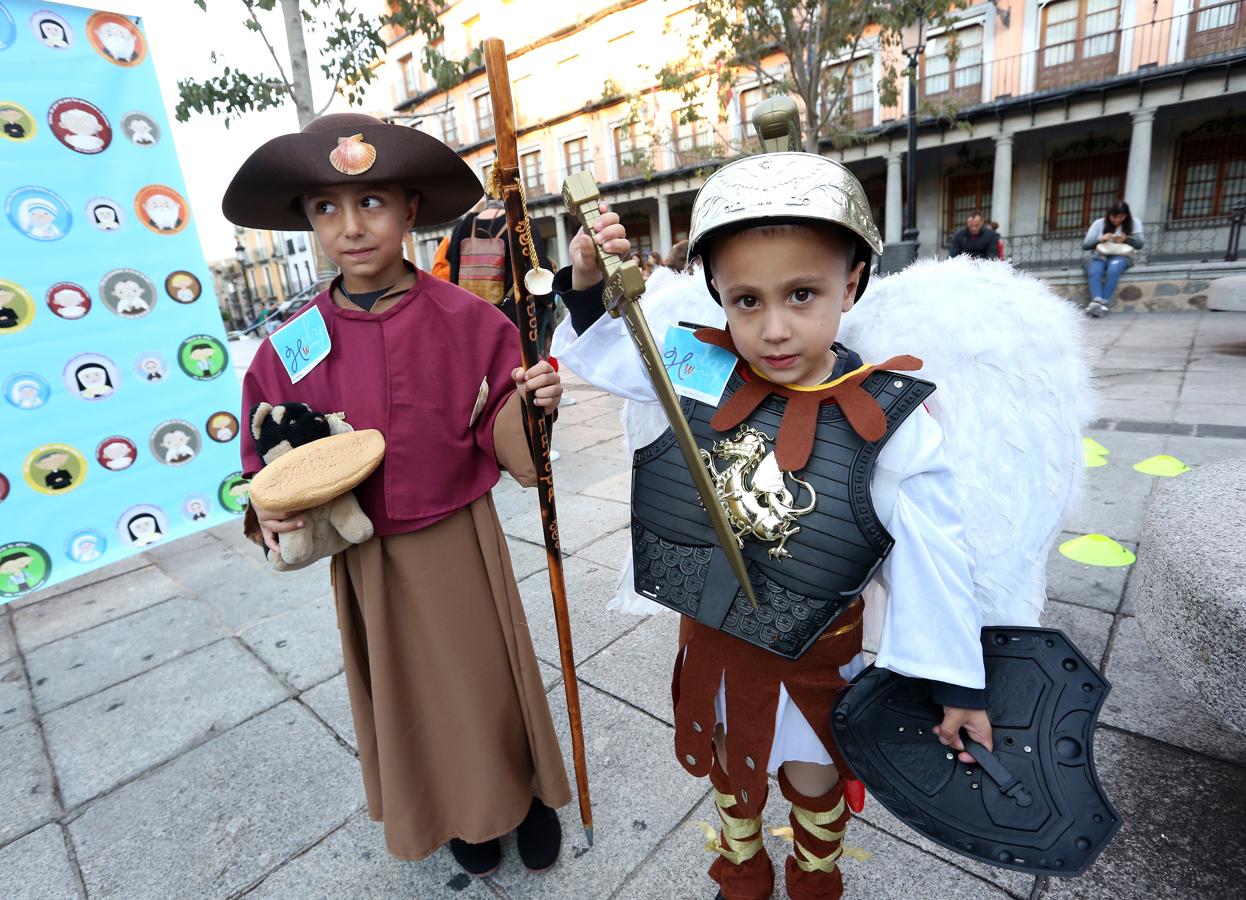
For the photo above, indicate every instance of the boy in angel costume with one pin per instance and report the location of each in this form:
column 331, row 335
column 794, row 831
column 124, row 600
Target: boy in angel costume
column 839, row 472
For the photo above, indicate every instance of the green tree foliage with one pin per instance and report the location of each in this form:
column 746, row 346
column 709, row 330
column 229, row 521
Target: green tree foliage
column 735, row 37
column 349, row 44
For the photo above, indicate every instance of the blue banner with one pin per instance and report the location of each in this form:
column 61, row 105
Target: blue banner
column 118, row 426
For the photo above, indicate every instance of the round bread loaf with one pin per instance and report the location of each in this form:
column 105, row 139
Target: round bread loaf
column 312, row 475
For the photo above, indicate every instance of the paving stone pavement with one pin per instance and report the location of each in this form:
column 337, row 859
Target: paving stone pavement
column 177, row 725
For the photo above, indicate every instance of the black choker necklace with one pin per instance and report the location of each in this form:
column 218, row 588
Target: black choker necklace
column 366, row 300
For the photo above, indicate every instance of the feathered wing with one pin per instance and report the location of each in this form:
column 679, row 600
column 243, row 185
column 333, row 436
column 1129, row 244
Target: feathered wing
column 1013, row 398
column 669, row 298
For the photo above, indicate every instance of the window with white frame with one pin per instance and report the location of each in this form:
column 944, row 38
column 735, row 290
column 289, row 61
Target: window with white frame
column 410, row 75
column 575, row 154
column 626, row 153
column 484, row 116
column 1080, row 40
column 449, row 126
column 959, row 79
column 533, row 177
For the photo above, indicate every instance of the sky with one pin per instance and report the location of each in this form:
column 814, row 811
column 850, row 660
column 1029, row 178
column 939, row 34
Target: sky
column 182, row 38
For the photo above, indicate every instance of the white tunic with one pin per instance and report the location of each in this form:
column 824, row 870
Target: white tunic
column 931, row 623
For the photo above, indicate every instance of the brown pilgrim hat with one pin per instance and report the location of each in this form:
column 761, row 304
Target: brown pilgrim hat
column 348, row 148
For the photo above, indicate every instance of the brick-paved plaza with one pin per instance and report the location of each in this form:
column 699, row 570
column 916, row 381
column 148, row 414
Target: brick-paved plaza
column 178, row 727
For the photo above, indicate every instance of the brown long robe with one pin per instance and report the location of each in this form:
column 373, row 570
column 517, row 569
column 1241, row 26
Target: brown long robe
column 454, row 731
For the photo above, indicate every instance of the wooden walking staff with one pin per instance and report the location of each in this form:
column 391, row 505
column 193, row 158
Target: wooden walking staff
column 505, row 182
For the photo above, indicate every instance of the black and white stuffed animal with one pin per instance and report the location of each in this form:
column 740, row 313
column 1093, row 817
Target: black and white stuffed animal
column 330, row 527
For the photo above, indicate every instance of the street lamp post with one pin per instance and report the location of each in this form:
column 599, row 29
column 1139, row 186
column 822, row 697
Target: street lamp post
column 240, row 254
column 914, row 42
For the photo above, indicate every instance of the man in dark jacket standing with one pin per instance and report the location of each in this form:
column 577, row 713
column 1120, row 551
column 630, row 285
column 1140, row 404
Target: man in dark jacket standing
column 975, row 238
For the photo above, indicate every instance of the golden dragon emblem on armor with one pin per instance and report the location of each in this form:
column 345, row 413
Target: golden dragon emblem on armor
column 752, row 489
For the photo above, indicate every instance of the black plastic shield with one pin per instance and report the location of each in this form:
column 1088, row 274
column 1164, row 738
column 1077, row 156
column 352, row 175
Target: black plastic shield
column 1037, row 806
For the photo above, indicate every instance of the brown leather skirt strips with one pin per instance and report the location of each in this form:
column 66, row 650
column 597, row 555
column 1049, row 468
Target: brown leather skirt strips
column 707, row 658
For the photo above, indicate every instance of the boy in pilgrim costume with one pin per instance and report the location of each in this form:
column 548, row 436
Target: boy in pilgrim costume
column 455, row 736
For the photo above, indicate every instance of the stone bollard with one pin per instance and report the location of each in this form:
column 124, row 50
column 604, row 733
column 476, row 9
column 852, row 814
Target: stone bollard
column 1191, row 585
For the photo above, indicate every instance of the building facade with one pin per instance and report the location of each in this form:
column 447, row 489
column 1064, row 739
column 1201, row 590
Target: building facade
column 1061, row 108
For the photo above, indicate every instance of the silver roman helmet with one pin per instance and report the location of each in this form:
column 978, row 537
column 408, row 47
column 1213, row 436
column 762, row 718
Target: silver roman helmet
column 780, row 185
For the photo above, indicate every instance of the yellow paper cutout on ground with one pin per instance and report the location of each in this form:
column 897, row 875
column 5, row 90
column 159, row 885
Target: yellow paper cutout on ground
column 1094, row 454
column 1097, row 550
column 1163, row 465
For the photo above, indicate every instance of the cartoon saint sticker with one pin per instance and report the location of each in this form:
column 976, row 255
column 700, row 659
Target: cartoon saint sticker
column 38, row 213
column 116, row 38
column 91, row 376
column 141, row 129
column 80, row 125
column 150, row 365
column 24, row 567
column 116, row 453
column 128, row 292
column 51, row 30
column 175, row 442
column 161, row 209
column 222, row 427
column 19, row 124
column 55, row 469
column 183, row 286
column 85, row 545
column 202, row 357
column 17, row 307
column 234, row 492
column 142, row 525
column 68, row 300
column 105, row 214
column 26, row 390
column 196, row 507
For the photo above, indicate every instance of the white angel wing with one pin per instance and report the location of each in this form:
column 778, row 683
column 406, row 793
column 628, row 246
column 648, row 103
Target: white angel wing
column 1013, row 397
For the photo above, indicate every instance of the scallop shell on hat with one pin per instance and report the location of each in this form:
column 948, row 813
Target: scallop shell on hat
column 352, row 155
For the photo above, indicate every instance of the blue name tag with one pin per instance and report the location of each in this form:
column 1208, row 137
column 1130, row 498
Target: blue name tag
column 302, row 344
column 699, row 371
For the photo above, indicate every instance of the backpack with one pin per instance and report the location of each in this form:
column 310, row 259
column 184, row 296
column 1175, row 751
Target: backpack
column 482, row 265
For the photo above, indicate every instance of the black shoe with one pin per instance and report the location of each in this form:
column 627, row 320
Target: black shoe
column 477, row 859
column 539, row 837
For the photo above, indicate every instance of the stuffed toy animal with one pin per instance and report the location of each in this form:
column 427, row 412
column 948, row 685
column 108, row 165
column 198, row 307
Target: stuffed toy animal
column 311, row 462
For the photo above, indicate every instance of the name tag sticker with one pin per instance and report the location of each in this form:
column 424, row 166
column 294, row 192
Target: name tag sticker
column 698, row 371
column 302, row 344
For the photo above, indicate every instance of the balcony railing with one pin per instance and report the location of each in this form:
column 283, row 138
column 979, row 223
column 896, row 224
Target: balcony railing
column 1207, row 34
column 1174, row 241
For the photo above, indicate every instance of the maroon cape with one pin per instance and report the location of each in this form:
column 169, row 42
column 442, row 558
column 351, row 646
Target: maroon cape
column 412, row 372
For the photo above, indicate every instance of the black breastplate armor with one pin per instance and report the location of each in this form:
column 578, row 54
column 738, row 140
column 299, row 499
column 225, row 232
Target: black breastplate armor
column 831, row 555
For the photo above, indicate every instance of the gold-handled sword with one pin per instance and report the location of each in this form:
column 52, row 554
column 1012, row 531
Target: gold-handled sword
column 621, row 292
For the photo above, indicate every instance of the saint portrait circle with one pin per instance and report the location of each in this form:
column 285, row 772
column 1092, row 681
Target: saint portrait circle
column 23, row 568
column 142, row 525
column 151, row 366
column 38, row 213
column 105, row 214
column 68, row 300
column 17, row 307
column 202, row 357
column 140, row 129
column 196, row 507
column 116, row 453
column 183, row 286
column 26, row 390
column 175, row 442
column 116, row 38
column 128, row 293
column 55, row 469
column 51, row 30
column 18, row 124
column 234, row 492
column 222, row 427
column 85, row 545
column 91, row 376
column 161, row 209
column 80, row 125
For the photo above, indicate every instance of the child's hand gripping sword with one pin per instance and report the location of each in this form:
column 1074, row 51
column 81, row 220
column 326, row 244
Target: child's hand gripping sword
column 621, row 294
column 530, row 278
